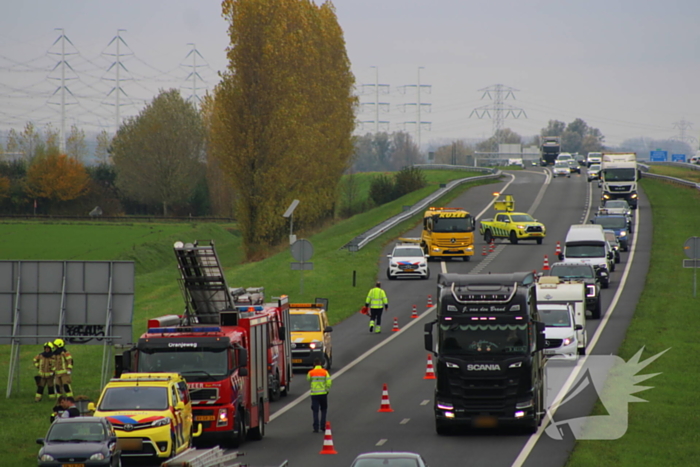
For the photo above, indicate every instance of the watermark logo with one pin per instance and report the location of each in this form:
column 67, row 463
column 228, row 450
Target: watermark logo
column 615, row 382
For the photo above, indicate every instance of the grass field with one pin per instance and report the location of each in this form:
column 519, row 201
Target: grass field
column 678, row 172
column 666, row 430
column 157, row 292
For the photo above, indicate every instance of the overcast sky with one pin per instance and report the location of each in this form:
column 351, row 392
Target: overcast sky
column 630, row 68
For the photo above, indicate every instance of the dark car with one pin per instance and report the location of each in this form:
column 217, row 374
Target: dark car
column 587, row 274
column 84, row 441
column 619, row 224
column 574, row 166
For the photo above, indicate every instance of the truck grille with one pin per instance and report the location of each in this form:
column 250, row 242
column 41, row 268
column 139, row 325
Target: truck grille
column 534, row 228
column 474, row 396
column 552, row 343
column 620, row 187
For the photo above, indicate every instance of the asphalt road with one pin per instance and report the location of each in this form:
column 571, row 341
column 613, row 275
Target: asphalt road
column 363, row 362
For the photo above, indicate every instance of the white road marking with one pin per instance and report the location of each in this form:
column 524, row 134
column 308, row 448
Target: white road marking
column 381, row 442
column 404, row 421
column 532, row 441
column 425, row 402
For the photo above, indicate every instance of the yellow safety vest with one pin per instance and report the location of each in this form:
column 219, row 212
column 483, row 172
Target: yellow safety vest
column 377, row 298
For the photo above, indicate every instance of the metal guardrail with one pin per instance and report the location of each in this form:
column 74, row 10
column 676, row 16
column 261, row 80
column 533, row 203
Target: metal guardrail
column 677, row 181
column 214, row 457
column 361, row 240
column 684, row 165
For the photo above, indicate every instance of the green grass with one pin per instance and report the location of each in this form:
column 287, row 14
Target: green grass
column 157, row 292
column 666, row 430
column 678, row 172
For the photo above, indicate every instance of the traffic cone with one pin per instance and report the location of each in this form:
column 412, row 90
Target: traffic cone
column 429, row 370
column 483, row 251
column 414, row 313
column 430, row 301
column 492, row 246
column 557, row 250
column 545, row 266
column 396, row 325
column 386, row 406
column 328, row 441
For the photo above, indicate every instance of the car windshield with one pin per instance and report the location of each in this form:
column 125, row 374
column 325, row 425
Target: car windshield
column 76, row 432
column 305, row 323
column 135, row 398
column 475, row 339
column 386, row 462
column 453, row 224
column 594, row 168
column 211, row 363
column 561, row 165
column 611, row 222
column 570, row 272
column 522, row 218
column 559, row 318
column 617, row 204
column 414, row 252
column 585, row 251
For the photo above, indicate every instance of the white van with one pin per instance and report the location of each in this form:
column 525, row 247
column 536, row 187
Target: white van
column 550, row 291
column 586, row 244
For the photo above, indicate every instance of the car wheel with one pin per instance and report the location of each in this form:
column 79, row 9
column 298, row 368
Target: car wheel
column 258, row 433
column 595, row 314
column 488, row 237
column 582, row 351
column 539, row 241
column 513, row 237
column 389, row 276
column 617, row 258
column 327, row 362
column 605, row 284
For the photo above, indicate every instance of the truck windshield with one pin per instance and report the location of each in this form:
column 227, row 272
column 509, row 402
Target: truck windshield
column 478, row 339
column 196, row 363
column 585, row 251
column 453, row 224
column 611, row 222
column 136, row 397
column 620, row 175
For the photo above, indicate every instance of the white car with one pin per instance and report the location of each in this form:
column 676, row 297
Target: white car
column 617, row 206
column 408, row 260
column 559, row 332
column 593, row 172
column 561, row 168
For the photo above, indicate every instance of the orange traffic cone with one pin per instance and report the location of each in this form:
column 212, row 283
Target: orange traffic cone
column 414, row 313
column 430, row 301
column 396, row 325
column 483, row 251
column 386, row 406
column 328, row 441
column 545, row 266
column 557, row 250
column 429, row 370
column 492, row 246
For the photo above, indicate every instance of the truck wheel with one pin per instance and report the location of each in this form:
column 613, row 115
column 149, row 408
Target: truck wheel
column 239, row 430
column 582, row 351
column 327, row 361
column 287, row 388
column 275, row 388
column 595, row 314
column 605, row 284
column 467, row 258
column 442, row 428
column 513, row 237
column 539, row 241
column 488, row 237
column 258, row 433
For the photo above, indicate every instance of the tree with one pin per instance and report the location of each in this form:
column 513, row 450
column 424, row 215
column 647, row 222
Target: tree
column 158, row 153
column 554, row 128
column 56, row 177
column 102, row 149
column 506, row 136
column 283, row 114
column 457, row 153
column 75, row 144
column 404, row 152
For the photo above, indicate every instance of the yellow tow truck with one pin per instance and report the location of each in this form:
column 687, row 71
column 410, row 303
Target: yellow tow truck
column 447, row 233
column 514, row 226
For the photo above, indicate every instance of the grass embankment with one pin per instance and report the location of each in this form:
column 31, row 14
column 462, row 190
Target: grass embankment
column 157, row 291
column 666, row 430
column 678, row 172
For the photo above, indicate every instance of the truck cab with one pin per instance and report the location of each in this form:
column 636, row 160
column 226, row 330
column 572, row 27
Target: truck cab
column 619, row 175
column 448, row 233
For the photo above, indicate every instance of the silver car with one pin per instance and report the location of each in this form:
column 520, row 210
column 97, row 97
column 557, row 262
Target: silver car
column 389, row 459
column 593, row 172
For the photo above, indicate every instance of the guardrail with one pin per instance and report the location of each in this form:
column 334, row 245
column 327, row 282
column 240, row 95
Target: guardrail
column 361, row 240
column 213, row 457
column 677, row 181
column 684, row 165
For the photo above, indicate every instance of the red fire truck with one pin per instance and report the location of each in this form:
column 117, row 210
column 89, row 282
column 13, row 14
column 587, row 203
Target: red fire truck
column 228, row 346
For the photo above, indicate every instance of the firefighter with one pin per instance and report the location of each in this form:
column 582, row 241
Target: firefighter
column 45, row 364
column 377, row 302
column 321, row 383
column 64, row 368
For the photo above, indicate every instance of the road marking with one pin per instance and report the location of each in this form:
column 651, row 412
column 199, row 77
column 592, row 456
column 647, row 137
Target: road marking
column 532, row 441
column 425, row 402
column 404, row 421
column 381, row 442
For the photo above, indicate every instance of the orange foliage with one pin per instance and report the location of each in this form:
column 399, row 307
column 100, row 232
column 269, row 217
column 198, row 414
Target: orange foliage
column 57, row 177
column 4, row 186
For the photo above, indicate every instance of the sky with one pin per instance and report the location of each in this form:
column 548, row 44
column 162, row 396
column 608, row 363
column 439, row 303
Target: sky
column 627, row 67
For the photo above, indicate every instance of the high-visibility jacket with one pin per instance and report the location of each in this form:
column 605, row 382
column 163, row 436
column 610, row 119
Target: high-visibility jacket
column 376, row 298
column 320, row 380
column 44, row 363
column 64, row 361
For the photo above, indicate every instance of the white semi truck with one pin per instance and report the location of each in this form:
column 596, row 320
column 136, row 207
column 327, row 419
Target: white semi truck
column 619, row 175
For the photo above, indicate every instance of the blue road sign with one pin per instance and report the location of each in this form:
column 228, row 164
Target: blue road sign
column 677, row 157
column 658, row 156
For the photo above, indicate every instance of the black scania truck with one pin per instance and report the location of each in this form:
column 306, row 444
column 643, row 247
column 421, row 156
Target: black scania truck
column 489, row 362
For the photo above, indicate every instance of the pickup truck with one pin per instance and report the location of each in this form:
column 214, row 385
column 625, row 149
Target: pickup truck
column 514, row 226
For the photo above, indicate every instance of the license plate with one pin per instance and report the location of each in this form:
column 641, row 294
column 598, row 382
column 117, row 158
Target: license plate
column 549, row 352
column 536, row 234
column 485, row 422
column 72, row 465
column 204, row 418
column 409, row 270
column 296, row 360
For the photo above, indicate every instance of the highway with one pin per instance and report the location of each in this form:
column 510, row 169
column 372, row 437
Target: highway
column 363, row 362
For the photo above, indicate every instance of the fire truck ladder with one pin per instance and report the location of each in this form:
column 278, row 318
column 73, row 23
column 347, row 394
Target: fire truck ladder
column 202, row 283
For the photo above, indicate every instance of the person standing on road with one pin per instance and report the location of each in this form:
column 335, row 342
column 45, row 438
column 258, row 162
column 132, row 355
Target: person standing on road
column 45, row 365
column 377, row 302
column 64, row 368
column 321, row 382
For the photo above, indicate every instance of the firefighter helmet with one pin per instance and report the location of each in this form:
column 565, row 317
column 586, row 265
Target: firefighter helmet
column 49, row 345
column 58, row 343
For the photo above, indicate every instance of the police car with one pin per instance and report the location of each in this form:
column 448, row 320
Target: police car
column 408, row 260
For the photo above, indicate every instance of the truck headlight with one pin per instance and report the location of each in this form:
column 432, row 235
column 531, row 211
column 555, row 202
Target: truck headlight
column 436, row 249
column 634, row 196
column 161, row 422
column 590, row 291
column 521, row 227
column 606, row 196
column 524, row 404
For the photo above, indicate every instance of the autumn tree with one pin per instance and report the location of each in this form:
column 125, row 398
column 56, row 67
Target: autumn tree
column 284, row 114
column 404, row 152
column 457, row 153
column 56, row 178
column 158, row 153
column 505, row 136
column 75, row 144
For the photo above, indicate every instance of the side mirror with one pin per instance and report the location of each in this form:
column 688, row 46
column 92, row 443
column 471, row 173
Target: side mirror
column 428, row 336
column 180, row 406
column 506, row 221
column 112, row 439
column 283, row 333
column 578, row 327
column 40, row 441
column 243, row 371
column 328, row 329
column 561, row 256
column 388, row 256
column 610, row 255
column 540, row 340
column 242, row 357
column 592, row 221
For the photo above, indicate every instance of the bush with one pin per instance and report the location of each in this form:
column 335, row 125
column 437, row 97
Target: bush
column 381, row 190
column 407, row 180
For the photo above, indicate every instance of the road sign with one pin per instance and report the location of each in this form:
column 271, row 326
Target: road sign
column 658, row 156
column 677, row 157
column 302, row 266
column 691, row 263
column 691, row 248
column 302, row 250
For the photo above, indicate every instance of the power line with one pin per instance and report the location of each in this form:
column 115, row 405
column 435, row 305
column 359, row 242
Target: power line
column 384, row 106
column 419, row 106
column 498, row 93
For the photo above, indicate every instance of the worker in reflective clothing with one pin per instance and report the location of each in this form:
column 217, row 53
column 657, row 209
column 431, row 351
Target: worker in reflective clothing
column 64, row 368
column 45, row 364
column 377, row 302
column 321, row 382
